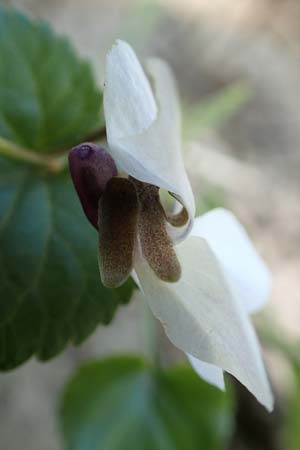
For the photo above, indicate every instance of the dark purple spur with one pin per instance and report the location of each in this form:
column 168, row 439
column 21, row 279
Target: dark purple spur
column 91, row 168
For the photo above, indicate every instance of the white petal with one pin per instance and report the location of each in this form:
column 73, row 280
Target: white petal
column 129, row 104
column 210, row 373
column 145, row 141
column 203, row 318
column 245, row 270
column 136, row 280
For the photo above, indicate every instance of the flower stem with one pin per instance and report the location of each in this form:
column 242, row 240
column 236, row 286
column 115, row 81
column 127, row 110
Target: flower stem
column 52, row 163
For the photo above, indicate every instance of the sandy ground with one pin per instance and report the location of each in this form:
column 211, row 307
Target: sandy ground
column 254, row 158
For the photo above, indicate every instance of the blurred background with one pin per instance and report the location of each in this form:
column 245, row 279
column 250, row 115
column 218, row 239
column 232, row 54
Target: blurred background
column 241, row 60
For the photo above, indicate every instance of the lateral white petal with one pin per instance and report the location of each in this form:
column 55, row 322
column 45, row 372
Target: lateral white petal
column 245, row 270
column 210, row 373
column 143, row 134
column 203, row 318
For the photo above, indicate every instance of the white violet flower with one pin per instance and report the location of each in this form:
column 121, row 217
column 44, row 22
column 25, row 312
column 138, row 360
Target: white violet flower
column 200, row 277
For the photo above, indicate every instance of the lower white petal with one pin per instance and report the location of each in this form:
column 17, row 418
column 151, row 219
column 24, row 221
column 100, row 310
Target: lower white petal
column 203, row 318
column 245, row 270
column 210, row 373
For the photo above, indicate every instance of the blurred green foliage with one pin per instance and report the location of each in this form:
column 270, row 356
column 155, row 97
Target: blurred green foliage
column 141, row 19
column 210, row 198
column 213, row 111
column 292, row 427
column 278, row 342
column 123, row 403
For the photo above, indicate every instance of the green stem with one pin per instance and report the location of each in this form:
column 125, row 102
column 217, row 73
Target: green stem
column 14, row 151
column 53, row 163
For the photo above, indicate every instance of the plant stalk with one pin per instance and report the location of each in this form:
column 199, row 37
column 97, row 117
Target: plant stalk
column 54, row 163
column 51, row 163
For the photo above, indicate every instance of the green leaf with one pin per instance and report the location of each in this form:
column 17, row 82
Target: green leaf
column 124, row 404
column 214, row 111
column 50, row 289
column 48, row 97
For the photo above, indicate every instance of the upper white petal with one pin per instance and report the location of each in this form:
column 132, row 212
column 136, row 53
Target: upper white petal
column 245, row 270
column 129, row 105
column 143, row 133
column 204, row 319
column 209, row 372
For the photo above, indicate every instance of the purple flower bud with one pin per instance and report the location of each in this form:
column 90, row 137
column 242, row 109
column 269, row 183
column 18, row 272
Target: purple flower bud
column 91, row 167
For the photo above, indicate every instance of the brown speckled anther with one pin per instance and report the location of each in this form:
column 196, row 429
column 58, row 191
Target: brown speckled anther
column 118, row 214
column 156, row 245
